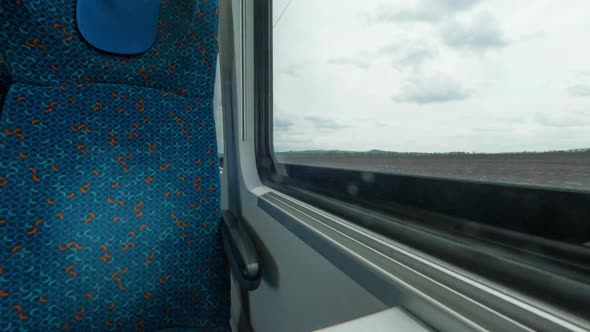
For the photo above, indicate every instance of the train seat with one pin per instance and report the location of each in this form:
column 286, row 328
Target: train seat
column 109, row 177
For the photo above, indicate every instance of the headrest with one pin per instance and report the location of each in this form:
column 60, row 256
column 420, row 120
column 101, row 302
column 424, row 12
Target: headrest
column 118, row 26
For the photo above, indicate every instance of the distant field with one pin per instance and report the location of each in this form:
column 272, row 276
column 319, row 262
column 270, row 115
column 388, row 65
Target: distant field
column 560, row 169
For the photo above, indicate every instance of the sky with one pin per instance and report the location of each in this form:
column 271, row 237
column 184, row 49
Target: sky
column 431, row 75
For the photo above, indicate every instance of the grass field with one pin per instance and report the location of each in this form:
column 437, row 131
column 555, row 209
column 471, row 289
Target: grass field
column 569, row 170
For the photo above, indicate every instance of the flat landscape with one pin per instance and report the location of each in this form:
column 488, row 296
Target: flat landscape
column 567, row 170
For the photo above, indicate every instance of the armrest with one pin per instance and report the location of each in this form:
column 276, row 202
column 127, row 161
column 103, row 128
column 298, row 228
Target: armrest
column 241, row 252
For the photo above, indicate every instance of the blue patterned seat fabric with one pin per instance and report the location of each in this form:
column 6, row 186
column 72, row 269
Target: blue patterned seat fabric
column 42, row 46
column 109, row 178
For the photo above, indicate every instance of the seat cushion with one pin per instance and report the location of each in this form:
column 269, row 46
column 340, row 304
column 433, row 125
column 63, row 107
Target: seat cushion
column 109, row 215
column 42, row 45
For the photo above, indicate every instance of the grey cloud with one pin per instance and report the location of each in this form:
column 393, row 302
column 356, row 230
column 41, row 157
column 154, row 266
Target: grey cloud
column 292, row 71
column 580, row 85
column 531, row 36
column 390, row 49
column 481, row 32
column 433, row 89
column 283, row 124
column 579, row 90
column 422, row 10
column 409, row 53
column 412, row 53
column 491, row 130
column 324, row 122
column 453, row 5
column 361, row 60
column 385, row 14
column 403, row 53
column 417, row 55
column 293, row 142
column 571, row 119
column 295, row 69
column 583, row 75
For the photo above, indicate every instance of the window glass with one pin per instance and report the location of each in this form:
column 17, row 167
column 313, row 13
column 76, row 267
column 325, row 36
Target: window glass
column 490, row 90
column 217, row 109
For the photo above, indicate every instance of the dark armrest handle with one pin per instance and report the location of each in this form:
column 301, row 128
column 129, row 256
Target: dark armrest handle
column 241, row 252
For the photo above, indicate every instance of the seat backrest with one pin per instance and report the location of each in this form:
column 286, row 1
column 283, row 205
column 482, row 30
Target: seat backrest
column 42, row 46
column 109, row 179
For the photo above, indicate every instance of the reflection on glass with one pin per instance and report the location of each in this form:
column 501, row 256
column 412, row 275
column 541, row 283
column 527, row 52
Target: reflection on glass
column 217, row 111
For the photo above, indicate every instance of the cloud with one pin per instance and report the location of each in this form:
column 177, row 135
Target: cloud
column 451, row 5
column 292, row 71
column 580, row 85
column 563, row 119
column 390, row 49
column 482, row 31
column 324, row 122
column 432, row 89
column 295, row 69
column 295, row 141
column 412, row 53
column 409, row 53
column 283, row 124
column 421, row 10
column 361, row 60
column 579, row 90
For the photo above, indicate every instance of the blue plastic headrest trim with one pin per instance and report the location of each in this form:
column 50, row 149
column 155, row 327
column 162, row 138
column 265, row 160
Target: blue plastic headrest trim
column 119, row 26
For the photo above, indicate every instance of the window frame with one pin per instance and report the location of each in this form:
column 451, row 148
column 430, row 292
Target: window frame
column 417, row 212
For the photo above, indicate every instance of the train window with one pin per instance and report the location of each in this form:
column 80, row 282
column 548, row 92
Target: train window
column 217, row 110
column 478, row 90
column 465, row 119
